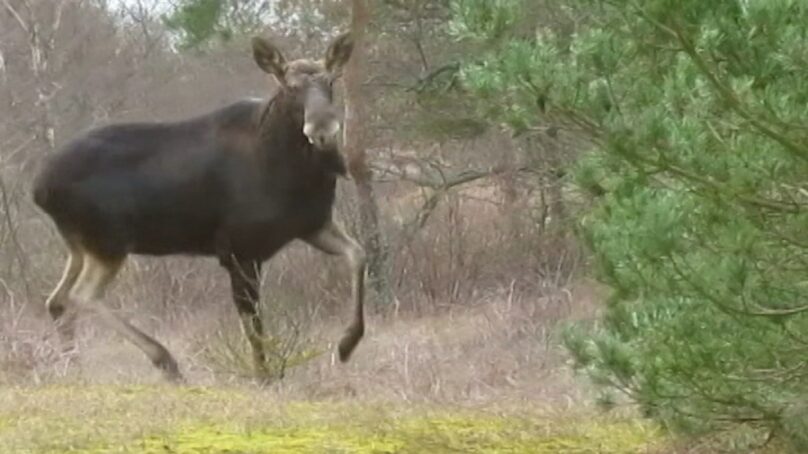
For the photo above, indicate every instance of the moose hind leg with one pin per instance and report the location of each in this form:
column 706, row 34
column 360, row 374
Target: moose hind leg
column 245, row 283
column 333, row 240
column 96, row 274
column 58, row 302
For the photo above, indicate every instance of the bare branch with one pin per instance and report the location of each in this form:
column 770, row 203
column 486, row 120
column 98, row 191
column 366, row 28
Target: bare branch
column 424, row 81
column 16, row 16
column 57, row 21
column 20, row 253
column 440, row 181
column 439, row 185
column 3, row 75
column 140, row 14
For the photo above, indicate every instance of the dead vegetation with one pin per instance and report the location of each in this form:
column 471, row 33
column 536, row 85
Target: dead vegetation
column 480, row 273
column 481, row 262
column 493, row 343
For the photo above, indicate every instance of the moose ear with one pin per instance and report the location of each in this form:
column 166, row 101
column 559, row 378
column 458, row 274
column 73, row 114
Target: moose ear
column 269, row 58
column 339, row 52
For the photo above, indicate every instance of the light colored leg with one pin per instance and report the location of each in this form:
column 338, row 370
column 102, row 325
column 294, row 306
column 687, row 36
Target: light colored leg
column 58, row 303
column 96, row 274
column 333, row 240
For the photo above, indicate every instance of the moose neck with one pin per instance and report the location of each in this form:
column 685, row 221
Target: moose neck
column 281, row 126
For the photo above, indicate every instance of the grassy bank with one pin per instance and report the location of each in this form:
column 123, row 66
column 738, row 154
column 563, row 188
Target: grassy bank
column 164, row 419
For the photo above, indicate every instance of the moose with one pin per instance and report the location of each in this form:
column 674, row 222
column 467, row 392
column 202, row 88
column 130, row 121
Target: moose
column 236, row 184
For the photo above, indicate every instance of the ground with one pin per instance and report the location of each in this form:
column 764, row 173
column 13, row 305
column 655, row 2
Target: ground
column 488, row 378
column 159, row 418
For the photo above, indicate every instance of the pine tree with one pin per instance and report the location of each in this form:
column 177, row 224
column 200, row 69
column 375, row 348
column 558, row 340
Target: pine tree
column 696, row 116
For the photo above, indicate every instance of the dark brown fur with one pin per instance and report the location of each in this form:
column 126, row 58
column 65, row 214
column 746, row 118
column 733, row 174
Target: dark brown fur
column 220, row 184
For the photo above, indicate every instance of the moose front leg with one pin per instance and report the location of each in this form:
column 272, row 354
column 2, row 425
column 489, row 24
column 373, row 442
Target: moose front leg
column 333, row 240
column 245, row 283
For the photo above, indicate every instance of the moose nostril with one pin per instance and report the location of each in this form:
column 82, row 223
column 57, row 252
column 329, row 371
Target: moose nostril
column 317, row 140
column 308, row 130
column 333, row 128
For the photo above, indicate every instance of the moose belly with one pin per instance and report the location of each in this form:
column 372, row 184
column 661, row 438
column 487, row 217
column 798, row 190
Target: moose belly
column 260, row 237
column 192, row 237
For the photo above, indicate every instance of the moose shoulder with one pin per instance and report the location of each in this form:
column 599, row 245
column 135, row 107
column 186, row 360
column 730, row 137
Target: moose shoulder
column 238, row 183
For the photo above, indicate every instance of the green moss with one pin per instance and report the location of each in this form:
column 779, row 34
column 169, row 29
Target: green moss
column 447, row 433
column 162, row 419
column 213, row 439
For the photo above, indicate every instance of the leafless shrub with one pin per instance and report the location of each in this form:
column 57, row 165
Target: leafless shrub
column 289, row 342
column 28, row 353
column 500, row 347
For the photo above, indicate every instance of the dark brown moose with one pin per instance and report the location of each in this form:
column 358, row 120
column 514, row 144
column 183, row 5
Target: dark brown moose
column 238, row 183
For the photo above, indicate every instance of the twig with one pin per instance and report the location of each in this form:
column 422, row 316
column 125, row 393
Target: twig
column 16, row 16
column 20, row 255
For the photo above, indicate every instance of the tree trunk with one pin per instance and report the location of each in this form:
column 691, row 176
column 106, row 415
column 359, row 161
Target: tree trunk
column 355, row 145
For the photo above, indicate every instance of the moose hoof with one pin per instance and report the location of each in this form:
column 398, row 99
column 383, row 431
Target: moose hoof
column 174, row 377
column 171, row 371
column 349, row 341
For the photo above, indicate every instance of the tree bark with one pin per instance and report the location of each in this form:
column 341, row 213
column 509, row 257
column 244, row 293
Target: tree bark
column 355, row 139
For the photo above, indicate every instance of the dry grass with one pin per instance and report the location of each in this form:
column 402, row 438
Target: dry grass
column 501, row 350
column 504, row 345
column 485, row 377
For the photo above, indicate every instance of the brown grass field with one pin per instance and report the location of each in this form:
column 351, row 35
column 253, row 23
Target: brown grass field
column 457, row 381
